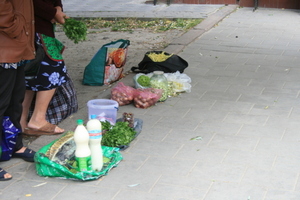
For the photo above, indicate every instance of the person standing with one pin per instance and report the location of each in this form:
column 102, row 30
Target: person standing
column 52, row 71
column 16, row 46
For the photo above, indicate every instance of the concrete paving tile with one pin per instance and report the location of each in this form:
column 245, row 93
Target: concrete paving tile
column 221, row 128
column 241, row 67
column 207, row 117
column 184, row 137
column 249, row 159
column 196, row 151
column 218, row 172
column 136, row 195
column 293, row 85
column 284, row 111
column 267, row 83
column 191, row 181
column 282, row 97
column 220, row 96
column 154, row 148
column 270, row 179
column 246, row 119
column 234, row 191
column 259, row 99
column 242, row 89
column 287, row 163
column 255, row 75
column 195, row 103
column 168, row 109
column 281, row 121
column 167, row 166
column 272, row 52
column 281, row 194
column 232, row 106
column 291, row 53
column 234, row 142
column 35, row 189
column 86, row 191
column 278, row 147
column 154, row 133
column 288, row 61
column 225, row 72
column 291, row 133
column 286, row 99
column 208, row 84
column 180, row 123
column 179, row 192
column 129, row 179
column 268, row 131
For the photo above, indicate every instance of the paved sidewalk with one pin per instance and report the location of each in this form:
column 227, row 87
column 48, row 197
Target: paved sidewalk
column 244, row 105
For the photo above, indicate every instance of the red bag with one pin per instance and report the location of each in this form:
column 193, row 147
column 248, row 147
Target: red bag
column 122, row 94
column 144, row 98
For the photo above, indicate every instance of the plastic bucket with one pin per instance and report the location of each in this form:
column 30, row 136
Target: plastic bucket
column 105, row 109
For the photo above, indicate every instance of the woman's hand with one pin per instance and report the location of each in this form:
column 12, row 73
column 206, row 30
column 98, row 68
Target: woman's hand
column 60, row 16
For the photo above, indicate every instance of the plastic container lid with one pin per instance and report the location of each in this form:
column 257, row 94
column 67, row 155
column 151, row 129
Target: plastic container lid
column 158, row 72
column 93, row 116
column 102, row 104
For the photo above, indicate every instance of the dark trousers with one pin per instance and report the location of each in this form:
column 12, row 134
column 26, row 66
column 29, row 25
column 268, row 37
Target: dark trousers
column 12, row 91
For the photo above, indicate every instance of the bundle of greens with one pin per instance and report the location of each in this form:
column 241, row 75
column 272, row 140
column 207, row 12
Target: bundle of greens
column 75, row 30
column 117, row 135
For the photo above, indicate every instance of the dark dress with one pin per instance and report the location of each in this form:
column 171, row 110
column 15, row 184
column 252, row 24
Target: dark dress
column 52, row 72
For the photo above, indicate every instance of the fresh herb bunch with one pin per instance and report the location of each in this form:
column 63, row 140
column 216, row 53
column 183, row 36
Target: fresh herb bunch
column 75, row 30
column 118, row 134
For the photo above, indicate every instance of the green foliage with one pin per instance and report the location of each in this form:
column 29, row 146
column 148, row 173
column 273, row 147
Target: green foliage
column 144, row 80
column 75, row 30
column 128, row 24
column 118, row 134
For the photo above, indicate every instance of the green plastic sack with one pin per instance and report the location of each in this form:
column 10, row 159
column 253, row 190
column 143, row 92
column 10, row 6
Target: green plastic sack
column 107, row 64
column 46, row 165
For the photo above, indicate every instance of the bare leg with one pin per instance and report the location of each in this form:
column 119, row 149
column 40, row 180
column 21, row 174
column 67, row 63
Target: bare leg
column 26, row 105
column 38, row 118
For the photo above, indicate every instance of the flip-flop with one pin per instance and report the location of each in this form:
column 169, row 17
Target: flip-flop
column 27, row 155
column 2, row 174
column 47, row 129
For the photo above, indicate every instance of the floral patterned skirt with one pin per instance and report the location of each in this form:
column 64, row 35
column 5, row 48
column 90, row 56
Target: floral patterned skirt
column 52, row 72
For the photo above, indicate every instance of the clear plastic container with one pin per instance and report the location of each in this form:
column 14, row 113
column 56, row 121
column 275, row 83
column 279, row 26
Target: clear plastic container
column 159, row 81
column 105, row 109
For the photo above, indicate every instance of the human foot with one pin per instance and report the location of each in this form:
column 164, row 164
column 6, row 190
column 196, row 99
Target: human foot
column 47, row 129
column 4, row 176
column 25, row 153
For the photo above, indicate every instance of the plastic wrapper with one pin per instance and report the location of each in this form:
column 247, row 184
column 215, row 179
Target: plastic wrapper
column 123, row 94
column 135, row 78
column 179, row 82
column 144, row 98
column 57, row 159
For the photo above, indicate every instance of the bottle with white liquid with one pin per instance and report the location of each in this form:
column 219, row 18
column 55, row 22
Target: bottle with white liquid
column 82, row 151
column 94, row 128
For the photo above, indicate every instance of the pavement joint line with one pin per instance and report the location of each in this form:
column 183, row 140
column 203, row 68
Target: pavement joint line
column 180, row 43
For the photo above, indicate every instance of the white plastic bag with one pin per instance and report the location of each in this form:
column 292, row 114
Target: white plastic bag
column 181, row 82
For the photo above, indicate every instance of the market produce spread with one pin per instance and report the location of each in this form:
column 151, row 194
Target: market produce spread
column 147, row 93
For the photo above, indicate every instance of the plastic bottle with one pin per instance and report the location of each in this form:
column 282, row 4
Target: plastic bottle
column 82, row 151
column 159, row 81
column 94, row 128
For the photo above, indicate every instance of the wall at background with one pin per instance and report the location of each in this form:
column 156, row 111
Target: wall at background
column 287, row 4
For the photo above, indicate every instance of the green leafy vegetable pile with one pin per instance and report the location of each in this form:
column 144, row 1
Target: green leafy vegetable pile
column 118, row 134
column 144, row 80
column 75, row 30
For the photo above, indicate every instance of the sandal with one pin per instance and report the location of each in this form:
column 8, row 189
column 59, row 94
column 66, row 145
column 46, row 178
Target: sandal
column 27, row 155
column 2, row 175
column 47, row 129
